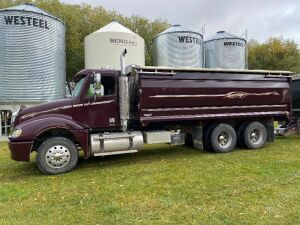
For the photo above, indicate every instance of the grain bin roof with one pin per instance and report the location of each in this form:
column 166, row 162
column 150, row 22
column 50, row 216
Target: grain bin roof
column 114, row 26
column 27, row 7
column 177, row 29
column 223, row 35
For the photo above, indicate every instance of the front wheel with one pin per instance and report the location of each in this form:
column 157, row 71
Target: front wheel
column 57, row 155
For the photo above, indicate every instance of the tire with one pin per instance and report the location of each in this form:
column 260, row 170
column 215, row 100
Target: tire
column 189, row 140
column 240, row 134
column 223, row 138
column 255, row 135
column 207, row 138
column 57, row 155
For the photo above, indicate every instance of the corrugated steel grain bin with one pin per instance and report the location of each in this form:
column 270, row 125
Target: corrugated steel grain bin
column 177, row 47
column 225, row 50
column 32, row 57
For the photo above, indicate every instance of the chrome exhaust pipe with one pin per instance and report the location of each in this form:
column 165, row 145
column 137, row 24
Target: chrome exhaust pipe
column 123, row 94
column 122, row 60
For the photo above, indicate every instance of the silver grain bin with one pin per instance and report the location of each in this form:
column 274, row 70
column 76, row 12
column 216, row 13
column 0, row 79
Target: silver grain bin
column 225, row 50
column 32, row 56
column 178, row 47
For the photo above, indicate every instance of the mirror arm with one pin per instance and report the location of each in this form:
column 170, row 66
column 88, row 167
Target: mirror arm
column 69, row 86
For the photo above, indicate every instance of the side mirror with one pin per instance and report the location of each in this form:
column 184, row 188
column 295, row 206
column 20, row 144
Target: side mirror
column 97, row 78
column 69, row 88
column 98, row 88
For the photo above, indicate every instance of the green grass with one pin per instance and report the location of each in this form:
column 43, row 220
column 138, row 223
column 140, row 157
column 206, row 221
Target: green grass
column 159, row 185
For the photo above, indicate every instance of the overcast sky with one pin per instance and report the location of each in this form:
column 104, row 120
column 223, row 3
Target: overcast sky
column 262, row 18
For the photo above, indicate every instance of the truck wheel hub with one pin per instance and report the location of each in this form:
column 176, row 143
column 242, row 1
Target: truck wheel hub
column 224, row 139
column 57, row 156
column 255, row 136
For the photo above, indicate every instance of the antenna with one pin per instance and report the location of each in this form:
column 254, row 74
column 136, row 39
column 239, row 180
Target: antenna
column 245, row 34
column 203, row 45
column 202, row 30
column 246, row 53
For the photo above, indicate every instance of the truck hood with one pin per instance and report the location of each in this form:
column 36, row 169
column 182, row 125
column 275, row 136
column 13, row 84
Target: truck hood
column 45, row 108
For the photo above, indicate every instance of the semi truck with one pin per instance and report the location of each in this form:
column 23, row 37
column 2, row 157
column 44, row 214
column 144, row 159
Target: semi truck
column 119, row 111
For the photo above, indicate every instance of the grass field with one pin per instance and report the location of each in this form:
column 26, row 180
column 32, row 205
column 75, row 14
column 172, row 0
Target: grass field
column 159, row 185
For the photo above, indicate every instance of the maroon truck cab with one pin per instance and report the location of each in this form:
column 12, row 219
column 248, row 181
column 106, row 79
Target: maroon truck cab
column 75, row 117
column 112, row 112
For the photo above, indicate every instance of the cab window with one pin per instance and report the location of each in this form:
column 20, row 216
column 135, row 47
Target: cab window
column 107, row 87
column 78, row 88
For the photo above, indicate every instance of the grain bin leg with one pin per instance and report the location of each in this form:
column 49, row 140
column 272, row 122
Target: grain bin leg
column 198, row 137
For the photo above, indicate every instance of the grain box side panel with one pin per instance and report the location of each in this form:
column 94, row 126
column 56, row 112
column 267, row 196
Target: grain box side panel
column 196, row 96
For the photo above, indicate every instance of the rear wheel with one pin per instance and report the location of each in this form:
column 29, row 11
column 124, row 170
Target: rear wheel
column 57, row 155
column 223, row 138
column 254, row 135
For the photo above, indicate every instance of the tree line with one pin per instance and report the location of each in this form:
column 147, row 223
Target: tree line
column 274, row 54
column 83, row 19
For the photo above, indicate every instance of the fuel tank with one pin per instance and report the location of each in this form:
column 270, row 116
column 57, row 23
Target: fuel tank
column 117, row 141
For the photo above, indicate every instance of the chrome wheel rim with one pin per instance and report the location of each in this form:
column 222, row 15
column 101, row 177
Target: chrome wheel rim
column 256, row 136
column 57, row 156
column 224, row 139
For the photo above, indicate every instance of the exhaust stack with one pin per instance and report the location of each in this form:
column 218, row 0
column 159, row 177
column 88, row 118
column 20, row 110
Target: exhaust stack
column 123, row 94
column 122, row 60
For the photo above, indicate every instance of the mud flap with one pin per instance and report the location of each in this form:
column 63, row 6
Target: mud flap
column 269, row 123
column 198, row 137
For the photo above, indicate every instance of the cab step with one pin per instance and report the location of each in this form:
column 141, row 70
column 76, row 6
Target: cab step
column 115, row 153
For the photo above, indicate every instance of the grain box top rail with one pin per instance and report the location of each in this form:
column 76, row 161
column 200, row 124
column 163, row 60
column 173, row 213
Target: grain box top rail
column 173, row 70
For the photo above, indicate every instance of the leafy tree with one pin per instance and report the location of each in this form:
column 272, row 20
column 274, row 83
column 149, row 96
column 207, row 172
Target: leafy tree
column 274, row 54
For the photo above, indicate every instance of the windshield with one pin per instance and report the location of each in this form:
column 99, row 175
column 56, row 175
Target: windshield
column 78, row 87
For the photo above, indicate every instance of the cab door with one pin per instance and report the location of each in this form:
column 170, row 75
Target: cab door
column 102, row 112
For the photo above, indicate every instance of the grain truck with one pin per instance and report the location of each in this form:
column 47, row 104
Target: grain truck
column 118, row 111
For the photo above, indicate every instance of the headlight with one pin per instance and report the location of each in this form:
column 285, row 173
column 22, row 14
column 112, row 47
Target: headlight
column 15, row 133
